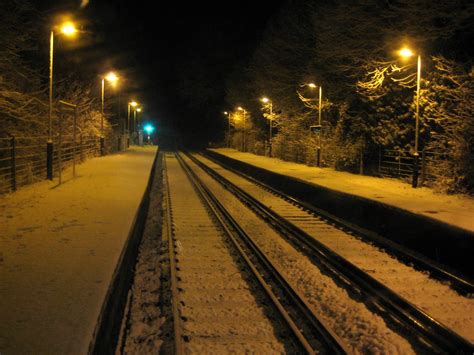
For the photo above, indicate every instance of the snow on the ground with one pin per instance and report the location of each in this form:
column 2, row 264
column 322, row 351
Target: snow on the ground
column 362, row 330
column 220, row 313
column 59, row 246
column 434, row 297
column 456, row 210
column 144, row 334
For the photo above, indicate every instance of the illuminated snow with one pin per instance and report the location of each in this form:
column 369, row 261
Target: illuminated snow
column 58, row 248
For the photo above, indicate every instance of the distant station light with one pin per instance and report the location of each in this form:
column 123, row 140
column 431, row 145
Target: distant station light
column 149, row 129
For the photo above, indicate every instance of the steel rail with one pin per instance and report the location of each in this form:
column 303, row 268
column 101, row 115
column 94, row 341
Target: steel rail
column 318, row 330
column 438, row 336
column 459, row 283
column 178, row 337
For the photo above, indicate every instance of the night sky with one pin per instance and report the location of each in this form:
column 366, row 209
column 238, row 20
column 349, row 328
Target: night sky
column 174, row 56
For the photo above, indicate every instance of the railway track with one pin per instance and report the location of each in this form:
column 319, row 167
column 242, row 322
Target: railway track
column 458, row 282
column 216, row 271
column 300, row 224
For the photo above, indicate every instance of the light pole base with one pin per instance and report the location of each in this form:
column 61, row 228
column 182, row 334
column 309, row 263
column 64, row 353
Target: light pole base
column 102, row 146
column 318, row 157
column 49, row 160
column 414, row 182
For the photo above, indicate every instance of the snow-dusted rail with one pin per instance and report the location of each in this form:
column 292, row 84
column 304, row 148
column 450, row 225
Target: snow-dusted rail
column 214, row 309
column 301, row 227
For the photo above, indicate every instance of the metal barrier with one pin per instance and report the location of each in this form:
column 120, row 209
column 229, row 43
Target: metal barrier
column 23, row 159
column 399, row 164
column 395, row 163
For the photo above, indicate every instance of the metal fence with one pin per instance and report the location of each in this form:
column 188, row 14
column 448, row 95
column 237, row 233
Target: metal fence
column 23, row 159
column 395, row 163
column 399, row 164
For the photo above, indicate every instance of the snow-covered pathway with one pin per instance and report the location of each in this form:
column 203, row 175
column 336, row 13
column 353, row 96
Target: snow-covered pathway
column 456, row 210
column 59, row 246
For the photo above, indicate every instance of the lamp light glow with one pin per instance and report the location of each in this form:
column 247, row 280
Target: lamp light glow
column 68, row 28
column 405, row 52
column 112, row 77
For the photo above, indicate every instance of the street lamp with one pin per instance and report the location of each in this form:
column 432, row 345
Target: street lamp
column 112, row 78
column 244, row 112
column 135, row 119
column 228, row 114
column 318, row 151
column 69, row 30
column 407, row 53
column 129, row 105
column 266, row 100
column 138, row 125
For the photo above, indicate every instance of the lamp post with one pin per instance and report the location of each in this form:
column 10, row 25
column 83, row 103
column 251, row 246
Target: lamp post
column 318, row 151
column 228, row 114
column 69, row 30
column 266, row 100
column 130, row 105
column 111, row 78
column 407, row 53
column 244, row 130
column 135, row 121
column 139, row 126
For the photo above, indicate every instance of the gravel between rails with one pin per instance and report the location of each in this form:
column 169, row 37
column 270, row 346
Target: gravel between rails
column 363, row 330
column 432, row 296
column 219, row 309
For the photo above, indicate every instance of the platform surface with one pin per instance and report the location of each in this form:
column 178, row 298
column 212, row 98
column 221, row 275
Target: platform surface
column 59, row 246
column 457, row 210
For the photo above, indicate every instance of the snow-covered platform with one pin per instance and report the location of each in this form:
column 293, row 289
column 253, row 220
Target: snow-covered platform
column 400, row 211
column 59, row 246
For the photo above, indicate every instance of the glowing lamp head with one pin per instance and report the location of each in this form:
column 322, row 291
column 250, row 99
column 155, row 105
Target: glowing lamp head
column 149, row 129
column 312, row 85
column 226, row 113
column 240, row 108
column 112, row 78
column 133, row 104
column 405, row 52
column 139, row 110
column 265, row 99
column 68, row 29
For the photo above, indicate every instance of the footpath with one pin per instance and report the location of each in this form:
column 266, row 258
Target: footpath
column 59, row 246
column 456, row 210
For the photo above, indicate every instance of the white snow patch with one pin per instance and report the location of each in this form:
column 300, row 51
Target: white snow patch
column 456, row 210
column 58, row 248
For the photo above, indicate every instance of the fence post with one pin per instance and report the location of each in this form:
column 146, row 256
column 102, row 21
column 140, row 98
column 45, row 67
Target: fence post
column 74, row 144
column 60, row 149
column 13, row 162
column 81, row 148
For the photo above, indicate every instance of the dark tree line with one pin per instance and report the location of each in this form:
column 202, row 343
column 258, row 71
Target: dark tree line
column 350, row 49
column 24, row 75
